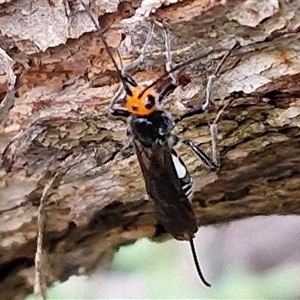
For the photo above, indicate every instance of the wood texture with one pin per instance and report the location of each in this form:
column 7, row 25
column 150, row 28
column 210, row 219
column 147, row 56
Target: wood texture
column 59, row 124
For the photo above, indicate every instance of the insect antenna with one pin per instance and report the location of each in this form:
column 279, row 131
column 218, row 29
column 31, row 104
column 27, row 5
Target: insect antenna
column 197, row 265
column 122, row 78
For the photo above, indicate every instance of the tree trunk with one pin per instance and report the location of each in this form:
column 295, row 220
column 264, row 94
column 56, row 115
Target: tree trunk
column 59, row 128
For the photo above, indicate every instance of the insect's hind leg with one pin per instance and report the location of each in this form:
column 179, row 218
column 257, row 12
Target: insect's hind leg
column 214, row 136
column 128, row 149
column 207, row 161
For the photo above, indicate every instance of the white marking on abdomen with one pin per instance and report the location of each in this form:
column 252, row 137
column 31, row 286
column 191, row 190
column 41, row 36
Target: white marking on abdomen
column 180, row 168
column 182, row 173
column 188, row 189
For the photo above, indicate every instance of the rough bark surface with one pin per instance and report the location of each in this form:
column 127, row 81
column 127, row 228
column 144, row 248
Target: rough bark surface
column 59, row 124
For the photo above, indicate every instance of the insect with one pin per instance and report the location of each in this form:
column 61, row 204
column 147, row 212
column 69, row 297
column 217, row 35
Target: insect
column 167, row 179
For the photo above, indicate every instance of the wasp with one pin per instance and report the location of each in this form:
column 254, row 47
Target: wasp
column 168, row 182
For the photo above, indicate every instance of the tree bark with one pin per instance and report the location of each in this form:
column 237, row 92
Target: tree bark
column 59, row 125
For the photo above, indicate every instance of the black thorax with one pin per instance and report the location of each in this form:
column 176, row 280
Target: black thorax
column 153, row 128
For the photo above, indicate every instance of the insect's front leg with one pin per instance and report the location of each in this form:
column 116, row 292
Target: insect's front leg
column 140, row 59
column 169, row 63
column 209, row 87
column 125, row 90
column 114, row 107
column 168, row 53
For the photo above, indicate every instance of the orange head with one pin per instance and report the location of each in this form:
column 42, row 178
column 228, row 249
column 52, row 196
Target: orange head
column 139, row 103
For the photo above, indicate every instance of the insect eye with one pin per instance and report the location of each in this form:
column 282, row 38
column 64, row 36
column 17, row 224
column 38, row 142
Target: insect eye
column 150, row 102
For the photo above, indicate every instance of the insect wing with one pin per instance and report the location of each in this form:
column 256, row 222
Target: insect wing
column 172, row 207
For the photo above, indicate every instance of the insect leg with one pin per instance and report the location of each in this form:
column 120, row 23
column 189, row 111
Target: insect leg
column 214, row 135
column 207, row 161
column 127, row 78
column 168, row 53
column 127, row 150
column 214, row 143
column 114, row 109
column 174, row 81
column 117, row 111
column 137, row 62
column 209, row 87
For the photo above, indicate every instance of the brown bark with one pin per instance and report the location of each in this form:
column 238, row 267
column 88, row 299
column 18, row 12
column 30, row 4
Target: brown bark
column 59, row 125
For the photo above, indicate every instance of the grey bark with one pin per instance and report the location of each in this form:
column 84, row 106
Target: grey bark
column 59, row 124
